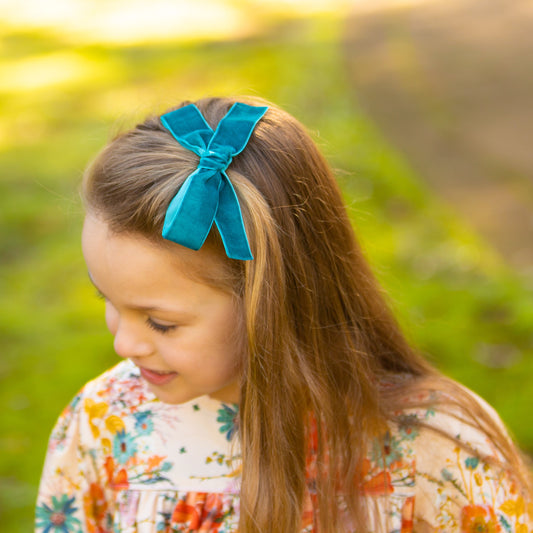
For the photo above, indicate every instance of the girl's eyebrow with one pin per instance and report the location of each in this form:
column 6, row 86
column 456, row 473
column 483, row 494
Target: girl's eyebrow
column 145, row 308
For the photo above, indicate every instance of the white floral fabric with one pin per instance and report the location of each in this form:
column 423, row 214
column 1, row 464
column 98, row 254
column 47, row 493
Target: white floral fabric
column 119, row 460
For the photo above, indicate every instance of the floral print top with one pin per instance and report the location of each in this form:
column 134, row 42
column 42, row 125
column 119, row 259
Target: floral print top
column 119, row 460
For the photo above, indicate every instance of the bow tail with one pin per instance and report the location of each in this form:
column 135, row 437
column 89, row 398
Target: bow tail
column 230, row 223
column 191, row 212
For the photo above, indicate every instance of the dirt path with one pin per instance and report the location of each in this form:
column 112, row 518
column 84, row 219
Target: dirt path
column 450, row 83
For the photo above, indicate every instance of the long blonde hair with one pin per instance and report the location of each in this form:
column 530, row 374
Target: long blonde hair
column 320, row 336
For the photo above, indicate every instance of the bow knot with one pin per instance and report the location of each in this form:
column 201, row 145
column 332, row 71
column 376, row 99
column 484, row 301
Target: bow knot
column 215, row 160
column 207, row 195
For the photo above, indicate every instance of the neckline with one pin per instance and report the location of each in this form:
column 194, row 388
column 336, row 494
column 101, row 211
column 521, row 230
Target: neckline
column 204, row 400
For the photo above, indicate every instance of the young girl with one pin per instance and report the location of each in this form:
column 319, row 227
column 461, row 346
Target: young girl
column 265, row 385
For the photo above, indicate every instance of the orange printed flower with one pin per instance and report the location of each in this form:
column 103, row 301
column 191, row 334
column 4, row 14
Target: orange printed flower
column 119, row 480
column 95, row 507
column 408, row 512
column 479, row 519
column 109, row 467
column 212, row 513
column 378, row 485
column 200, row 512
column 365, row 467
column 188, row 511
column 154, row 462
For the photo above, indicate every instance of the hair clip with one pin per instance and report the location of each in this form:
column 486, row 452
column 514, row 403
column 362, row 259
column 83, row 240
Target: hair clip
column 207, row 194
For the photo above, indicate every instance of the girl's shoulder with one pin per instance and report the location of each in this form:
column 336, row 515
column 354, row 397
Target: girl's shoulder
column 121, row 386
column 109, row 397
column 446, row 448
column 442, row 406
column 444, row 423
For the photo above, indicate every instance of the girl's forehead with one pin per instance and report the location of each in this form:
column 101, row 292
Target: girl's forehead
column 133, row 255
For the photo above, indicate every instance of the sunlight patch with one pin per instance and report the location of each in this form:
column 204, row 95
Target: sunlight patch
column 43, row 71
column 129, row 22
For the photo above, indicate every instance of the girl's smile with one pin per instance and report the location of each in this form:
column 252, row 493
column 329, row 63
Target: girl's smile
column 184, row 335
column 157, row 377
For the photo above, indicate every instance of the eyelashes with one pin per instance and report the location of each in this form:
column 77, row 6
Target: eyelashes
column 155, row 326
column 160, row 328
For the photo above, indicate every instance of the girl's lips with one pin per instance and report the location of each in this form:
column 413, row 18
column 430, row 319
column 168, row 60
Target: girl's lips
column 157, row 378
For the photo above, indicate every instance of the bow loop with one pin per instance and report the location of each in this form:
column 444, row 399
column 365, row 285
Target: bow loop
column 207, row 195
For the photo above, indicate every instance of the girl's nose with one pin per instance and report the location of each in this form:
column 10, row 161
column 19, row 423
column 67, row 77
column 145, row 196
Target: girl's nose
column 129, row 342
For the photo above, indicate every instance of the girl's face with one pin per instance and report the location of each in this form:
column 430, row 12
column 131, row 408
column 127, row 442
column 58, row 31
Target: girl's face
column 184, row 335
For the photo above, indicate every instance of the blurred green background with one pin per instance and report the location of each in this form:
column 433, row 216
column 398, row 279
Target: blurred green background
column 68, row 80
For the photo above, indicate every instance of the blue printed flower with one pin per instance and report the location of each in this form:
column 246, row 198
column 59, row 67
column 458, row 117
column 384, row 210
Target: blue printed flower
column 227, row 416
column 387, row 451
column 75, row 401
column 58, row 518
column 471, row 463
column 124, row 446
column 408, row 426
column 505, row 524
column 143, row 422
column 166, row 466
column 446, row 474
column 164, row 522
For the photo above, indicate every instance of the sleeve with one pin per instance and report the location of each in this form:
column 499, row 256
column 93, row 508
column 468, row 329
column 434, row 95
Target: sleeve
column 71, row 497
column 457, row 490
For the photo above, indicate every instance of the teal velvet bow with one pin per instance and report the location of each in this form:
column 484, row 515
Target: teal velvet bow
column 207, row 195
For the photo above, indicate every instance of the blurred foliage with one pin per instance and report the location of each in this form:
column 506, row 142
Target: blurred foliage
column 456, row 298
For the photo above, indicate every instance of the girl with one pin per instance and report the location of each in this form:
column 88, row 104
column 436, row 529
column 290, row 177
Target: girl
column 266, row 386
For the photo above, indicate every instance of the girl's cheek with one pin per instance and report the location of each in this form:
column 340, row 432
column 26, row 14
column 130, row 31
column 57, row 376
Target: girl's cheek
column 111, row 318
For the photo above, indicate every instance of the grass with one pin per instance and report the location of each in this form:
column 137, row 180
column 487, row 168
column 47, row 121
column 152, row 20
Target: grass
column 457, row 299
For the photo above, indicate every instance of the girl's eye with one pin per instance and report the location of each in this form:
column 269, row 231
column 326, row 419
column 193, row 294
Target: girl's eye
column 99, row 295
column 160, row 328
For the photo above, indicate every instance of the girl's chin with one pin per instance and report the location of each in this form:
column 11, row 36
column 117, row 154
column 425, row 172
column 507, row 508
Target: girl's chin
column 173, row 395
column 177, row 396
